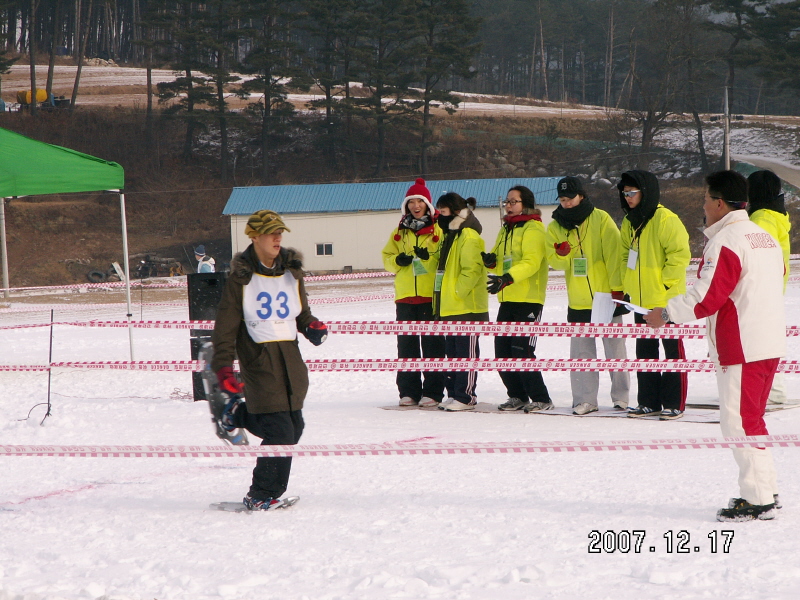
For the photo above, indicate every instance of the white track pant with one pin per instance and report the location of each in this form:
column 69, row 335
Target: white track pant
column 743, row 393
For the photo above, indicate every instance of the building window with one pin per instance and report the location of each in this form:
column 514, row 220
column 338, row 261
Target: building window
column 324, row 249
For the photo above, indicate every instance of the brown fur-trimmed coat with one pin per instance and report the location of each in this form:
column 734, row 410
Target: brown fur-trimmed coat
column 274, row 374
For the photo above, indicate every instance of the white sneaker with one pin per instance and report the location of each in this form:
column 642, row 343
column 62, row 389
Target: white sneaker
column 445, row 403
column 455, row 406
column 407, row 401
column 584, row 408
column 428, row 403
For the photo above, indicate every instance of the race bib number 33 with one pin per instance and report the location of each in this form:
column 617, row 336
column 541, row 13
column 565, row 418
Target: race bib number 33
column 271, row 305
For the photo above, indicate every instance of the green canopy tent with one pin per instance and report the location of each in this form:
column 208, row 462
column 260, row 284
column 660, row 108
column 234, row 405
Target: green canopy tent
column 32, row 168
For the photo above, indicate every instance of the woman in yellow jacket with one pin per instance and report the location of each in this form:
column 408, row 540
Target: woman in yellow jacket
column 655, row 255
column 460, row 292
column 411, row 254
column 767, row 210
column 584, row 242
column 519, row 264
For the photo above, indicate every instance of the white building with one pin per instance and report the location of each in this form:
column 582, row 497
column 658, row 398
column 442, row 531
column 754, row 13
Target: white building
column 344, row 226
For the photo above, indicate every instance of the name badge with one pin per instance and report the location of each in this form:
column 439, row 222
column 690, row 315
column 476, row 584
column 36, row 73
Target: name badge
column 580, row 267
column 418, row 267
column 633, row 256
column 437, row 282
column 507, row 263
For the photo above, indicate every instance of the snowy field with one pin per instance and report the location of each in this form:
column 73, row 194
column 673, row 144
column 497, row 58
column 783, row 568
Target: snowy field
column 506, row 527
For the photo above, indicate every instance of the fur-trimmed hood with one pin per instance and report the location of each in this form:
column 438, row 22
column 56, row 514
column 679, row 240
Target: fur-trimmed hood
column 244, row 264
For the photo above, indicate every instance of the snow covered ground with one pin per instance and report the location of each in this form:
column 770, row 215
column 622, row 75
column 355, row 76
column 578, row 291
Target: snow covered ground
column 442, row 527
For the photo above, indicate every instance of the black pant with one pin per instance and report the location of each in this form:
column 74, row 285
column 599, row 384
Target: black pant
column 461, row 385
column 271, row 475
column 660, row 390
column 413, row 384
column 520, row 384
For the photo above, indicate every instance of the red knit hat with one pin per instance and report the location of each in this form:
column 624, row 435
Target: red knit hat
column 419, row 190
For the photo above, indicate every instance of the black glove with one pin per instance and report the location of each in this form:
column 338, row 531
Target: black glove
column 403, row 259
column 489, row 259
column 621, row 309
column 422, row 253
column 498, row 282
column 317, row 332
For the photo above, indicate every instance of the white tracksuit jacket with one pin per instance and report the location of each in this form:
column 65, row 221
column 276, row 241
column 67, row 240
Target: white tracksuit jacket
column 739, row 291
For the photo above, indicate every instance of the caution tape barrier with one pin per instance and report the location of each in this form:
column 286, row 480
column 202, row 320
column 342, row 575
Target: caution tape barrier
column 521, row 329
column 404, row 449
column 422, row 364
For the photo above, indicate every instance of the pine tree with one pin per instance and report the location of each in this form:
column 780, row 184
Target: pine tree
column 274, row 58
column 446, row 48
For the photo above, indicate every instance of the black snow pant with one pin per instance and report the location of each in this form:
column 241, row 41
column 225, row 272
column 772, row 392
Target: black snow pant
column 660, row 390
column 271, row 475
column 416, row 385
column 461, row 385
column 525, row 385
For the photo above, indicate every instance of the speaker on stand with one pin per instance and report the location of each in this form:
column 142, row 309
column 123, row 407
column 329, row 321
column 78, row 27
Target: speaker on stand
column 205, row 292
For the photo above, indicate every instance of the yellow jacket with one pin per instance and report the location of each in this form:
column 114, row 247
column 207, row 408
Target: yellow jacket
column 778, row 226
column 463, row 287
column 406, row 284
column 659, row 271
column 597, row 240
column 525, row 244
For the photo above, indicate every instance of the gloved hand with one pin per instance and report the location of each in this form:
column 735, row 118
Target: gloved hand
column 227, row 381
column 562, row 249
column 620, row 310
column 498, row 282
column 403, row 259
column 317, row 331
column 489, row 259
column 422, row 253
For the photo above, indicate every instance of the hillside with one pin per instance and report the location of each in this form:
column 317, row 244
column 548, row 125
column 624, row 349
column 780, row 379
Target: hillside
column 174, row 204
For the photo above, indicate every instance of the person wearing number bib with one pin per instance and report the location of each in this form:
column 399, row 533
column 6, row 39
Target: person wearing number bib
column 584, row 242
column 518, row 265
column 654, row 258
column 263, row 306
column 411, row 254
column 459, row 293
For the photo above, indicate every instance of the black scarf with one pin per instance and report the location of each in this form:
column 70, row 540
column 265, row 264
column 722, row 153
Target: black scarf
column 571, row 218
column 777, row 204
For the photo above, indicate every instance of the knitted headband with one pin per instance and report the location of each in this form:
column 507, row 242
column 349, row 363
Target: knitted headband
column 264, row 222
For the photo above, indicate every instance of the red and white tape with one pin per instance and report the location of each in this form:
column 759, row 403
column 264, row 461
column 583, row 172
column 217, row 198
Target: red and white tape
column 423, row 364
column 521, row 329
column 404, row 449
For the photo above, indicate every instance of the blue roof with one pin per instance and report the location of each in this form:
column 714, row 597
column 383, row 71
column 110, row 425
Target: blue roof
column 353, row 197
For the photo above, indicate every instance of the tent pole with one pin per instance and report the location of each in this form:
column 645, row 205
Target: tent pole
column 5, row 246
column 127, row 266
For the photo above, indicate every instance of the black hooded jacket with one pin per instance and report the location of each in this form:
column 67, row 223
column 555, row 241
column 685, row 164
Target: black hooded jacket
column 647, row 183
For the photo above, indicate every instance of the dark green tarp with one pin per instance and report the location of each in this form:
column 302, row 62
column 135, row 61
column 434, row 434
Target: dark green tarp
column 29, row 168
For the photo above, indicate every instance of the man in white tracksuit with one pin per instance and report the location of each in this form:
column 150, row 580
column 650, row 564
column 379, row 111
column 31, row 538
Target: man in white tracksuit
column 740, row 293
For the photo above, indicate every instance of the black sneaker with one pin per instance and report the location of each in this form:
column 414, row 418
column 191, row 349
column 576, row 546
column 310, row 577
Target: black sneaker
column 742, row 510
column 643, row 411
column 777, row 500
column 668, row 414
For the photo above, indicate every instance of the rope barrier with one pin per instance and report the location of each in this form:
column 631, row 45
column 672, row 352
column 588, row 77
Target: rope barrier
column 423, row 364
column 521, row 329
column 401, row 449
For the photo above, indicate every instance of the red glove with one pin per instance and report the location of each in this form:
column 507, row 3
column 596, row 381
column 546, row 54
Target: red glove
column 618, row 296
column 317, row 332
column 563, row 248
column 228, row 382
